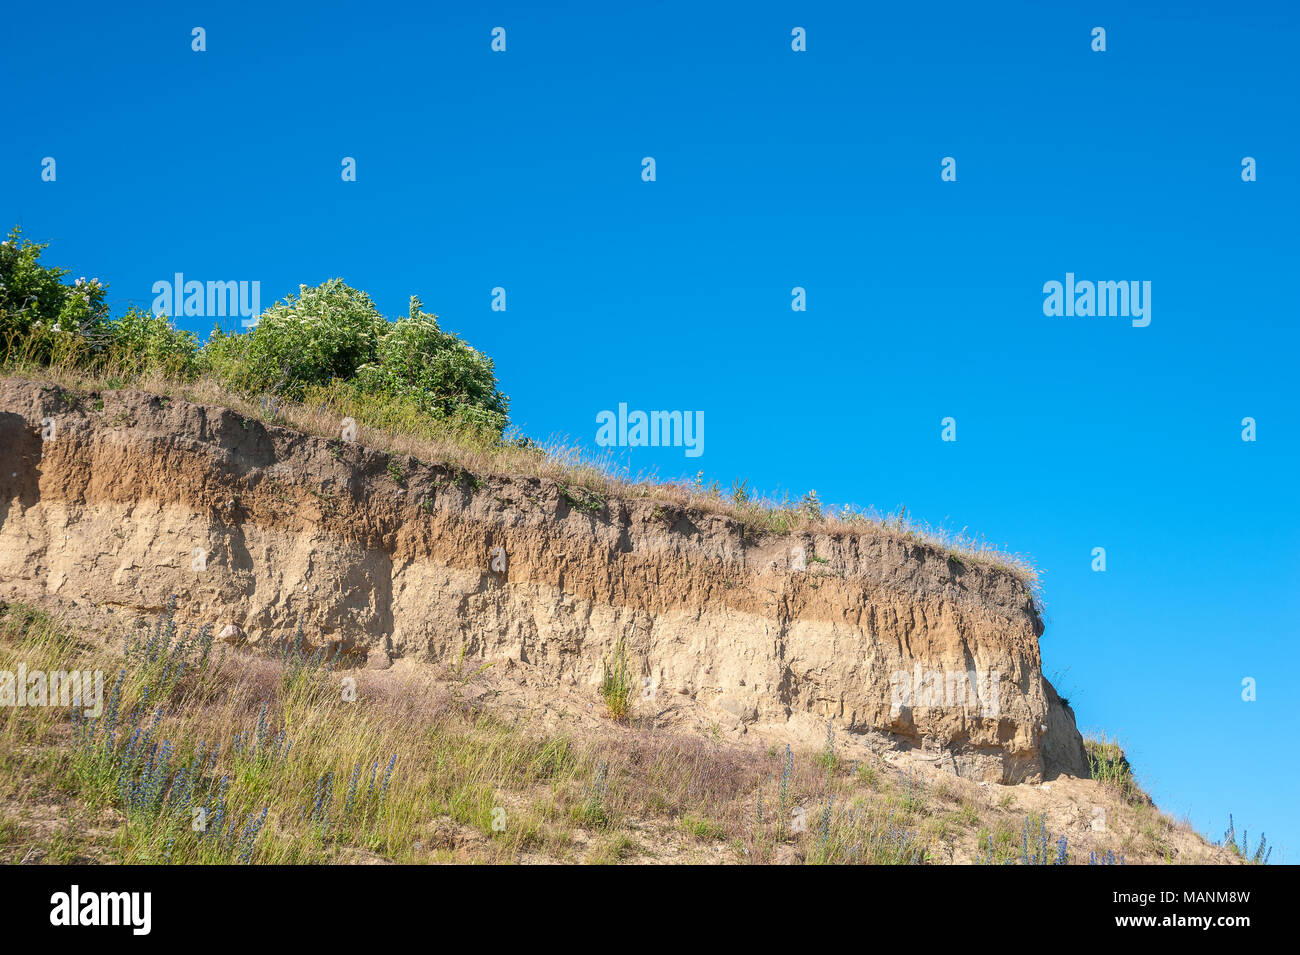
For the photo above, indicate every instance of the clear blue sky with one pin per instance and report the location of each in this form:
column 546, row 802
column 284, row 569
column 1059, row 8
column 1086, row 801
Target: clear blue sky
column 778, row 169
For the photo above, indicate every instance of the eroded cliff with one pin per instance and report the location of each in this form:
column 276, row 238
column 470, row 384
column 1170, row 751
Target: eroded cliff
column 124, row 498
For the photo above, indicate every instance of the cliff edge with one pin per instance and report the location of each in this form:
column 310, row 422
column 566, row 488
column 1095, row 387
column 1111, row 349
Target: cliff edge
column 124, row 498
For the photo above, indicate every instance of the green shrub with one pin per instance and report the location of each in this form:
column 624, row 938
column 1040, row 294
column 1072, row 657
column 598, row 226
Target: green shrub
column 327, row 332
column 334, row 334
column 141, row 341
column 38, row 313
column 1108, row 765
column 435, row 370
column 329, row 344
column 616, row 685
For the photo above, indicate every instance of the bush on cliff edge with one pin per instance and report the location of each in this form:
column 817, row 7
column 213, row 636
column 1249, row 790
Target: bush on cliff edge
column 330, row 340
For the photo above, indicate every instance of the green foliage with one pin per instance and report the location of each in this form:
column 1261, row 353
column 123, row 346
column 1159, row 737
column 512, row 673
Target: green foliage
column 593, row 811
column 701, row 828
column 811, row 506
column 740, row 492
column 326, row 332
column 141, row 341
column 582, row 499
column 436, row 371
column 399, row 415
column 1036, row 846
column 862, row 836
column 38, row 312
column 395, row 472
column 999, row 846
column 616, row 685
column 828, row 759
column 1258, row 856
column 1109, row 766
column 910, row 793
column 330, row 337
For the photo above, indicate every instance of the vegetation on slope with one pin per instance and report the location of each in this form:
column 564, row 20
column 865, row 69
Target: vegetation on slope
column 329, row 335
column 202, row 753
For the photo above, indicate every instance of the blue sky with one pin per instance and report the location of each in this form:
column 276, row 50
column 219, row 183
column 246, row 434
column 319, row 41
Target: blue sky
column 778, row 169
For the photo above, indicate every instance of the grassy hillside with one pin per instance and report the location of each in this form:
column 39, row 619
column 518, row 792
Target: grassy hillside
column 204, row 753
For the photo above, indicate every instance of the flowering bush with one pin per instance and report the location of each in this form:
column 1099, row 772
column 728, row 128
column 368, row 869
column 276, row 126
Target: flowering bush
column 327, row 332
column 37, row 310
column 436, row 371
column 329, row 338
column 141, row 340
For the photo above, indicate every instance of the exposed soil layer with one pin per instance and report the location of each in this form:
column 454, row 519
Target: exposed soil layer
column 123, row 499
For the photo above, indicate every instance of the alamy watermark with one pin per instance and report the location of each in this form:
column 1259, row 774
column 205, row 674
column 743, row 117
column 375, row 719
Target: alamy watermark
column 954, row 688
column 653, row 429
column 130, row 909
column 1122, row 299
column 84, row 688
column 196, row 299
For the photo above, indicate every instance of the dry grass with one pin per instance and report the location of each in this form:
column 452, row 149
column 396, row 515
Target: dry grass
column 284, row 737
column 285, row 744
column 1110, row 767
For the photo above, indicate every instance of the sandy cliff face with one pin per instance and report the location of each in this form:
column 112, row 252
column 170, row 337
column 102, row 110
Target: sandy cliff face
column 126, row 498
